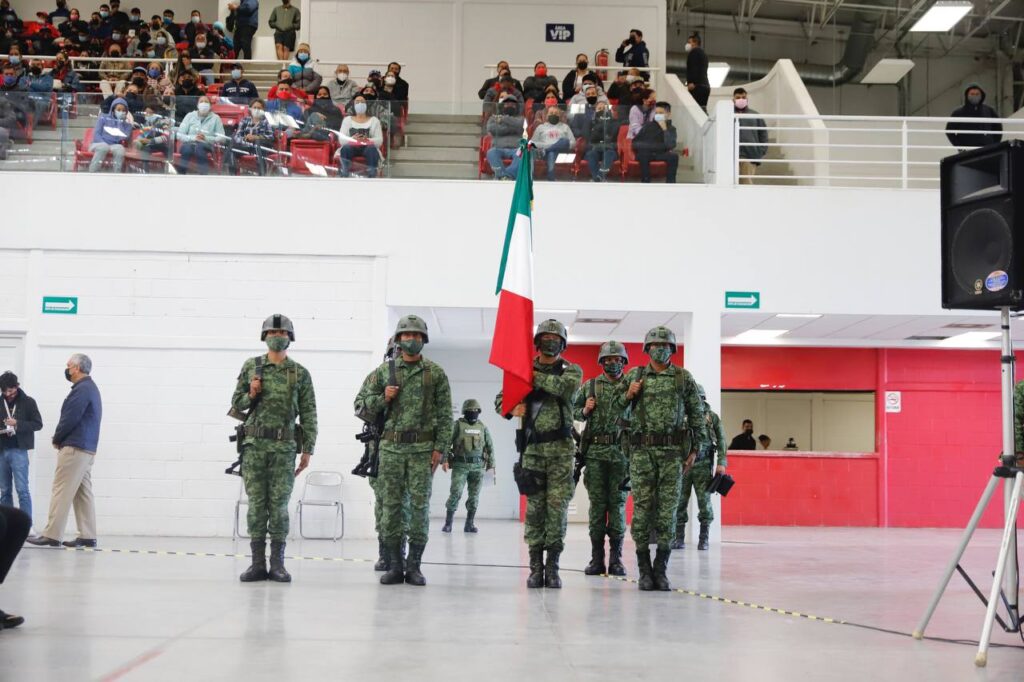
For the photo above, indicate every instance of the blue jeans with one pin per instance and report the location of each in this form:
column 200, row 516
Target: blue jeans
column 14, row 463
column 551, row 153
column 598, row 159
column 195, row 157
column 495, row 157
column 368, row 152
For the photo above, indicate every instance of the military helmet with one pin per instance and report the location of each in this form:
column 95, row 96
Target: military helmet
column 277, row 321
column 470, row 405
column 412, row 323
column 701, row 392
column 551, row 327
column 611, row 349
column 660, row 335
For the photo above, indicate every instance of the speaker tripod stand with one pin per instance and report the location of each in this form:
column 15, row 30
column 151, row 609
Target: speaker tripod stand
column 1004, row 583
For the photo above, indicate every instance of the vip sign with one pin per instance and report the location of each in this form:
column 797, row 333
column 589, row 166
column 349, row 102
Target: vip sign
column 560, row 33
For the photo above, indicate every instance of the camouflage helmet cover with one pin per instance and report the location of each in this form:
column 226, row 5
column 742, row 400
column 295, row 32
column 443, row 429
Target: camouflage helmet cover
column 277, row 321
column 471, row 405
column 612, row 349
column 660, row 335
column 412, row 323
column 551, row 327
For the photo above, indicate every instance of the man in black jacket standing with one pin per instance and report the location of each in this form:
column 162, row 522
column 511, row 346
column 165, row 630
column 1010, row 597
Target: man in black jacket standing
column 697, row 70
column 633, row 51
column 974, row 107
column 656, row 141
column 21, row 420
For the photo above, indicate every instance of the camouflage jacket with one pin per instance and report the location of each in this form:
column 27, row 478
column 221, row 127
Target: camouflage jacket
column 472, row 440
column 557, row 392
column 417, row 409
column 717, row 446
column 287, row 394
column 668, row 403
column 605, row 422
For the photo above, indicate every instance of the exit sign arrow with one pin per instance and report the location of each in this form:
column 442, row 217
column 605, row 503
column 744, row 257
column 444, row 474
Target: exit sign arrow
column 60, row 305
column 743, row 299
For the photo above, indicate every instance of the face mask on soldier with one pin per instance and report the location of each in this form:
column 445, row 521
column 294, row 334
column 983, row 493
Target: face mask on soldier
column 613, row 367
column 661, row 354
column 411, row 346
column 550, row 347
column 471, row 416
column 277, row 343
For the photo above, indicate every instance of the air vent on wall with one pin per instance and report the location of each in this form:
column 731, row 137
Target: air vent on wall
column 598, row 320
column 927, row 338
column 968, row 325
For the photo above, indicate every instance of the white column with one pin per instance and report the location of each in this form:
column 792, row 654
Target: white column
column 723, row 140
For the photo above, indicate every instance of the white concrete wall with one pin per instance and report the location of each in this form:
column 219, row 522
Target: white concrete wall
column 169, row 308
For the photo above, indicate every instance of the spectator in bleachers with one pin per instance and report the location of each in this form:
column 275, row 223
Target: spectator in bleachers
column 401, row 87
column 39, row 87
column 16, row 61
column 590, row 95
column 656, row 141
column 325, row 106
column 154, row 133
column 105, row 138
column 581, row 110
column 238, row 89
column 697, row 70
column 974, row 107
column 245, row 16
column 535, row 85
column 551, row 138
column 119, row 36
column 118, row 19
column 135, row 93
column 194, row 28
column 200, row 133
column 135, row 21
column 162, row 39
column 284, row 101
column 184, row 66
column 61, row 12
column 573, row 81
column 500, row 91
column 602, row 140
column 506, row 130
column 633, row 50
column 65, row 78
column 186, row 95
column 753, row 138
column 375, row 79
column 342, row 88
column 641, row 113
column 140, row 44
column 618, row 90
column 253, row 136
column 112, row 72
column 202, row 50
column 376, row 107
column 98, row 28
column 502, row 70
column 74, row 26
column 9, row 20
column 362, row 137
column 541, row 108
column 219, row 35
column 285, row 19
column 168, row 23
column 157, row 79
column 304, row 77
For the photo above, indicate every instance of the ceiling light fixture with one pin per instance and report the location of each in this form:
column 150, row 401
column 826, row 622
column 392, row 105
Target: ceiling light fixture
column 798, row 316
column 942, row 16
column 976, row 339
column 760, row 335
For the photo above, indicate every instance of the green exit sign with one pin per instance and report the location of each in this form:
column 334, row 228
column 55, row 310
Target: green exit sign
column 60, row 305
column 748, row 300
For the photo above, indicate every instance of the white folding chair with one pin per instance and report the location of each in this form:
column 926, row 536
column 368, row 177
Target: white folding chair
column 243, row 499
column 323, row 489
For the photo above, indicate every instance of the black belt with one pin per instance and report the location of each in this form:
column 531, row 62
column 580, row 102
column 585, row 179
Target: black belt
column 283, row 433
column 539, row 437
column 655, row 439
column 462, row 459
column 408, row 436
column 607, row 439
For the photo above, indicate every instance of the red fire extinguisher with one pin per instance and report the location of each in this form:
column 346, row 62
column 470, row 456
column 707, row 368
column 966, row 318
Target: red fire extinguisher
column 601, row 59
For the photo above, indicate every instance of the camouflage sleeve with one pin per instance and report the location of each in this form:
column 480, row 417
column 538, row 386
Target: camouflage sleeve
column 694, row 412
column 370, row 399
column 562, row 386
column 497, row 405
column 716, row 424
column 488, row 449
column 578, row 405
column 307, row 412
column 455, row 438
column 240, row 400
column 442, row 412
column 1018, row 416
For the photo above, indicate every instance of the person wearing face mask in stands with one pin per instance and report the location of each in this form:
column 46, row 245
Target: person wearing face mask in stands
column 238, row 89
column 200, row 133
column 573, row 81
column 697, row 70
column 642, row 112
column 602, row 134
column 203, row 50
column 60, row 14
column 64, row 75
column 254, row 135
column 156, row 78
column 112, row 73
column 502, row 70
column 362, row 136
column 753, row 138
column 551, row 138
column 502, row 90
column 284, row 101
column 506, row 130
column 325, row 106
column 186, row 95
column 342, row 88
column 974, row 107
column 633, row 51
column 393, row 79
column 304, row 77
column 285, row 19
column 541, row 108
column 590, row 94
column 39, row 87
column 656, row 141
column 194, row 28
column 71, row 28
column 106, row 141
column 534, row 86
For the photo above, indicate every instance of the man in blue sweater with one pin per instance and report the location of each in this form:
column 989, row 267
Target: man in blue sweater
column 76, row 438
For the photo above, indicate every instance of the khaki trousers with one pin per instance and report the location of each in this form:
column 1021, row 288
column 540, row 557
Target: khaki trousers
column 747, row 168
column 72, row 485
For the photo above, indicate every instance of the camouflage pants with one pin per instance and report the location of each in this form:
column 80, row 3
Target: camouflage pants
column 547, row 512
column 699, row 478
column 655, row 480
column 405, row 477
column 378, row 508
column 463, row 474
column 268, row 471
column 607, row 503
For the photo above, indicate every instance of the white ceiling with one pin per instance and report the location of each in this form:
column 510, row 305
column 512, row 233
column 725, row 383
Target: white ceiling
column 459, row 327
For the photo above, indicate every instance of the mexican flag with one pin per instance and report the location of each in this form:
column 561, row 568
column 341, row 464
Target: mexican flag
column 512, row 346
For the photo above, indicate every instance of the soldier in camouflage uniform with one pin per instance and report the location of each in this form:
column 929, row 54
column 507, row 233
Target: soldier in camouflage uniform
column 600, row 404
column 378, row 512
column 284, row 391
column 417, row 431
column 666, row 427
column 471, row 453
column 547, row 412
column 710, row 460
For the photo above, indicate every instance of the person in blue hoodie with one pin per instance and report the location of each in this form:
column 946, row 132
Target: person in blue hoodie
column 106, row 141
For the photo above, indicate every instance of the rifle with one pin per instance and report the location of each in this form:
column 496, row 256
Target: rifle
column 582, row 440
column 239, row 437
column 369, row 463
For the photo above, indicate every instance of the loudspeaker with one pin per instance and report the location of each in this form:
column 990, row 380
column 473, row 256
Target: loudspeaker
column 982, row 193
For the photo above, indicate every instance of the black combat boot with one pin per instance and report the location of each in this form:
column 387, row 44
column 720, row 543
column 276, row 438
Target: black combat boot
column 448, row 517
column 469, row 527
column 702, row 542
column 396, row 565
column 615, row 566
column 596, row 565
column 258, row 570
column 277, row 571
column 551, row 578
column 643, row 562
column 536, row 578
column 679, row 541
column 661, row 569
column 413, row 575
column 382, row 556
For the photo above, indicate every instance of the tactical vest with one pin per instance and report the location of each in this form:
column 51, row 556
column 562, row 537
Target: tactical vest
column 422, row 435
column 643, row 437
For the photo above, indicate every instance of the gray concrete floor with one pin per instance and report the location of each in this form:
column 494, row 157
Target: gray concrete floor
column 113, row 615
